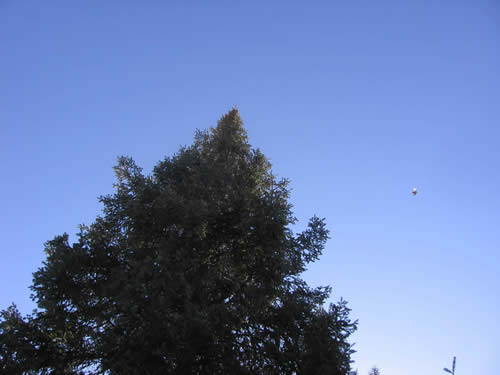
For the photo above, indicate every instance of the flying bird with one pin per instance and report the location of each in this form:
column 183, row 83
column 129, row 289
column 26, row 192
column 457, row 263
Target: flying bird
column 414, row 191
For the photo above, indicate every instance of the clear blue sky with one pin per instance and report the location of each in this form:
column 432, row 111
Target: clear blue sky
column 356, row 102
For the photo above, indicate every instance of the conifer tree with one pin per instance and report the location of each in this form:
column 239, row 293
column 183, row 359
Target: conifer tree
column 193, row 269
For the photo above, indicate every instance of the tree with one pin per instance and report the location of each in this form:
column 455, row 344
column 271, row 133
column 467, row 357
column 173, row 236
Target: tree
column 374, row 371
column 191, row 270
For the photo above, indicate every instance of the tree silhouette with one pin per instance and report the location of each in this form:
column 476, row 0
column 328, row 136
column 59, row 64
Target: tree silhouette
column 191, row 270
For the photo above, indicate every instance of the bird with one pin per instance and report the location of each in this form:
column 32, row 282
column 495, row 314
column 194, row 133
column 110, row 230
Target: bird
column 414, row 191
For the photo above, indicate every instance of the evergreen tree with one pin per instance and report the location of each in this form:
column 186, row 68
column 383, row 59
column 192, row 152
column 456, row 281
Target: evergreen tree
column 191, row 270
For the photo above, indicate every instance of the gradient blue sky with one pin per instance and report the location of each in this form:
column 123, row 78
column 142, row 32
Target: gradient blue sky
column 356, row 102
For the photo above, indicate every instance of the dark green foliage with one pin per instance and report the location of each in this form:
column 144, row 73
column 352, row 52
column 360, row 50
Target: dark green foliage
column 192, row 270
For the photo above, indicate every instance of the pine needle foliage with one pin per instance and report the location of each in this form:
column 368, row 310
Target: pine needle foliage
column 190, row 270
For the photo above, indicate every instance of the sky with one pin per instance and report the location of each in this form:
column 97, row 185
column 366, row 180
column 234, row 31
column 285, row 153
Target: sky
column 356, row 102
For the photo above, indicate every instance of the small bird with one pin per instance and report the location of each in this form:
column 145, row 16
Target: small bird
column 414, row 191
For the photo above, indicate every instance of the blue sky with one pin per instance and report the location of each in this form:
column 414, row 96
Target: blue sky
column 355, row 102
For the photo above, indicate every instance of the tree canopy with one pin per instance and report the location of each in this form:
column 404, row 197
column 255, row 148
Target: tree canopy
column 193, row 269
